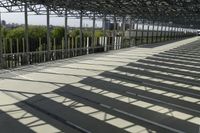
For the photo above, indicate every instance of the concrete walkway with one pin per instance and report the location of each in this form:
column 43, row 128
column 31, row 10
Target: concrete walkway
column 138, row 90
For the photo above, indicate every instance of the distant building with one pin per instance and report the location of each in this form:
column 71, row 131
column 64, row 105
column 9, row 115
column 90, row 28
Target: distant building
column 10, row 25
column 107, row 24
column 110, row 25
column 3, row 22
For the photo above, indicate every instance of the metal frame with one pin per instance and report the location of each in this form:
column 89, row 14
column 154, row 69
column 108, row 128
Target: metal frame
column 1, row 44
column 180, row 13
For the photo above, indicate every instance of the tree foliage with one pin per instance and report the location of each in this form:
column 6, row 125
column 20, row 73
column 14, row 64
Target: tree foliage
column 58, row 32
column 16, row 33
column 74, row 33
column 36, row 32
column 38, row 35
column 98, row 33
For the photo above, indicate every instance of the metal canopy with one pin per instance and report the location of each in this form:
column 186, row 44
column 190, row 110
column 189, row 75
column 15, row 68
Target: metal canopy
column 185, row 13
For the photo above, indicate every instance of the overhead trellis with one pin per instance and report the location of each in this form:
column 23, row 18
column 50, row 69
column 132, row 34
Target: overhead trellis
column 184, row 13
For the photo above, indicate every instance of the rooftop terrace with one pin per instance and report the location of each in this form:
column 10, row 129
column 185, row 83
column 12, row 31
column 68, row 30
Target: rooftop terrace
column 139, row 89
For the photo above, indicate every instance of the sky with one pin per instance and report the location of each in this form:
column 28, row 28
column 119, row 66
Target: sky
column 55, row 21
column 41, row 19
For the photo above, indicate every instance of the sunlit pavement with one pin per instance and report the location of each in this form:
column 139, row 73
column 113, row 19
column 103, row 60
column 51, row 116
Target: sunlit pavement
column 138, row 90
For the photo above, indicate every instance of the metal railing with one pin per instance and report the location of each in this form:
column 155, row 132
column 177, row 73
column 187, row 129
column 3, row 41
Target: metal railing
column 14, row 54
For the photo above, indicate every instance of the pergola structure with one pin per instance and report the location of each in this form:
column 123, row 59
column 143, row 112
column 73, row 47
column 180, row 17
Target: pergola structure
column 173, row 13
column 179, row 12
column 142, row 89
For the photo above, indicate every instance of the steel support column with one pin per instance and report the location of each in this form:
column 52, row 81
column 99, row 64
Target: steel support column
column 48, row 36
column 168, row 35
column 123, row 32
column 104, row 33
column 152, row 37
column 171, row 33
column 165, row 33
column 66, row 48
column 178, row 32
column 157, row 32
column 93, row 33
column 26, row 32
column 81, row 32
column 1, row 45
column 183, row 33
column 136, row 34
column 114, row 33
column 174, row 33
column 161, row 32
column 148, row 26
column 130, row 31
column 142, row 36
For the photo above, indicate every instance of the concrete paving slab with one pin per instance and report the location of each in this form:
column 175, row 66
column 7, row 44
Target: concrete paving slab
column 32, row 97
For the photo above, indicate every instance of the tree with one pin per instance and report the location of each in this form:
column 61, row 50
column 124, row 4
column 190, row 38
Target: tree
column 87, row 33
column 74, row 33
column 4, row 31
column 16, row 33
column 98, row 33
column 36, row 32
column 58, row 33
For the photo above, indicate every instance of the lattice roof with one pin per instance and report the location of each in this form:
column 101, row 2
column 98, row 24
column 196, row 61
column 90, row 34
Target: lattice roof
column 178, row 12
